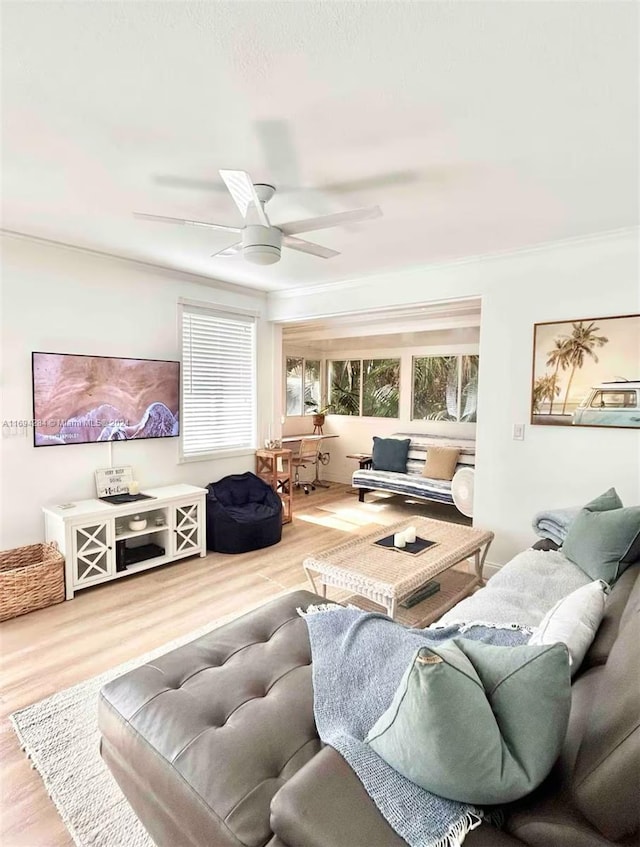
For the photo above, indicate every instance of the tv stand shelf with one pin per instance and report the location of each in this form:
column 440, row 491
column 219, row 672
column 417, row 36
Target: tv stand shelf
column 91, row 533
column 122, row 536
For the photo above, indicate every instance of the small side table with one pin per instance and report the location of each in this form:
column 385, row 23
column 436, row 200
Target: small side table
column 364, row 459
column 274, row 467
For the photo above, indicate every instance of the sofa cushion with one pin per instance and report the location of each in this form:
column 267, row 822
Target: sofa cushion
column 614, row 613
column 574, row 621
column 501, row 740
column 390, row 454
column 325, row 805
column 607, row 771
column 602, row 539
column 441, row 462
column 548, row 816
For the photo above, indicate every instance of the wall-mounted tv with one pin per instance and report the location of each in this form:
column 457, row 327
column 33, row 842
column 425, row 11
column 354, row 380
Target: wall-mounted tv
column 84, row 399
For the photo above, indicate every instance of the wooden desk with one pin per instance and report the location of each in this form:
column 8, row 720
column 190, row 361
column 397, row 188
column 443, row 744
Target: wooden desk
column 291, row 439
column 279, row 479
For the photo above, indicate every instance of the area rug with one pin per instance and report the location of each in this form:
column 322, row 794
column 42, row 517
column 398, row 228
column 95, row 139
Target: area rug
column 60, row 735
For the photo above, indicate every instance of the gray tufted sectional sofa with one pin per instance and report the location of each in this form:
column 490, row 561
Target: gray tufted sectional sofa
column 214, row 744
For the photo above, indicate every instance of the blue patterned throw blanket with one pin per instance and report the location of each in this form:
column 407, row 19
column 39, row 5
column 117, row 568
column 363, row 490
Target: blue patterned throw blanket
column 358, row 661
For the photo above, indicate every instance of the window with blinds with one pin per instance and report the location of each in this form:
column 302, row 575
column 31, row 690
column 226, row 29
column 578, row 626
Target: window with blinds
column 218, row 382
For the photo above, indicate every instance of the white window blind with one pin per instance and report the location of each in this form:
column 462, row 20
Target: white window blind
column 218, row 382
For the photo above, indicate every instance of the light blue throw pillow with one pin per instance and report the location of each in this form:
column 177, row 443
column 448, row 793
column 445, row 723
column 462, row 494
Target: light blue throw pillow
column 477, row 723
column 605, row 502
column 604, row 539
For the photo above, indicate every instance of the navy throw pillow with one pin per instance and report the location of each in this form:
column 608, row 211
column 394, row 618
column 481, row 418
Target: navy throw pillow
column 390, row 454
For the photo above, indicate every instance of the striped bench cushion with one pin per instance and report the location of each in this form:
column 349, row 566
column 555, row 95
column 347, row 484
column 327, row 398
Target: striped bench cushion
column 412, row 485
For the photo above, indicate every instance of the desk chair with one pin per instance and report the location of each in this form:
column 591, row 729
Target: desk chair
column 307, row 455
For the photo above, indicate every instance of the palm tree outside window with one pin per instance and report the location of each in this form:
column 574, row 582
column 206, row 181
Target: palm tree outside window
column 445, row 388
column 367, row 387
column 302, row 384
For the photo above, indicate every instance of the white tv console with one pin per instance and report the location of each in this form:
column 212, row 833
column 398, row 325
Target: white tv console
column 89, row 533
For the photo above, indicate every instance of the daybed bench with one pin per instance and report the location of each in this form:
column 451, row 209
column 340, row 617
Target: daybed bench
column 413, row 483
column 215, row 745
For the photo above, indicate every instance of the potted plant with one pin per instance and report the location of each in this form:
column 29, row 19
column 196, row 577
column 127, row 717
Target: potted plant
column 319, row 412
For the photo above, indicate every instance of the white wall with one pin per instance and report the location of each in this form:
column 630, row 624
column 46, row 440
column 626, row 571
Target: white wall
column 553, row 466
column 60, row 300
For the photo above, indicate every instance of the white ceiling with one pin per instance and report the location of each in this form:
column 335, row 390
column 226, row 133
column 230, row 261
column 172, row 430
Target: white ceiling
column 506, row 124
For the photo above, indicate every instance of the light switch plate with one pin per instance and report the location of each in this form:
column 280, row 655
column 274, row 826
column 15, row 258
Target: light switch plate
column 518, row 432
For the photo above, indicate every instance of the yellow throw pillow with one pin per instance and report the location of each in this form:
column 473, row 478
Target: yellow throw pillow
column 441, row 462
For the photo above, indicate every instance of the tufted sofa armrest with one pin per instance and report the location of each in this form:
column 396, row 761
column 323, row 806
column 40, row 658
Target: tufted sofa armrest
column 202, row 738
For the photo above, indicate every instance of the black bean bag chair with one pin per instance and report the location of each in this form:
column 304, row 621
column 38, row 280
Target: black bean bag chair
column 243, row 513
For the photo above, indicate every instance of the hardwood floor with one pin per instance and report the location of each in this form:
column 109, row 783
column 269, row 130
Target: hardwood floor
column 101, row 627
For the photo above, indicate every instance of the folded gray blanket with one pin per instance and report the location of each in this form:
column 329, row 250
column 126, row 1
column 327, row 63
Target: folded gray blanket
column 554, row 523
column 358, row 661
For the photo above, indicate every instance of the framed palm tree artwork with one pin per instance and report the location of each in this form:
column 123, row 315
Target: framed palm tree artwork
column 587, row 372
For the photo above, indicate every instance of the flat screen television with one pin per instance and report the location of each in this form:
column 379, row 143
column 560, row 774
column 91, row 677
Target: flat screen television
column 84, row 399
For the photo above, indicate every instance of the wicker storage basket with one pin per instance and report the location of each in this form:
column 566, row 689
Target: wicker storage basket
column 31, row 577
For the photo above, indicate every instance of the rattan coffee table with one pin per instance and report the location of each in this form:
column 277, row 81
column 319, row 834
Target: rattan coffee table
column 381, row 576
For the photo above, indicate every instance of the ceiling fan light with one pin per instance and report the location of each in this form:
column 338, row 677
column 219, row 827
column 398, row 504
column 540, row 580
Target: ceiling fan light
column 261, row 254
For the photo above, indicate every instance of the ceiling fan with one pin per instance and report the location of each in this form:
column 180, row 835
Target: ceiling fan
column 261, row 241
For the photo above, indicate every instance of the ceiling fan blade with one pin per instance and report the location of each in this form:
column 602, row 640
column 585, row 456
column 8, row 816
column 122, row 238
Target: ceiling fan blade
column 327, row 221
column 309, row 247
column 232, row 250
column 244, row 194
column 369, row 183
column 184, row 222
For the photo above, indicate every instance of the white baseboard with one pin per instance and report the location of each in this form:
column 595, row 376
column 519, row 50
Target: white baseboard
column 490, row 569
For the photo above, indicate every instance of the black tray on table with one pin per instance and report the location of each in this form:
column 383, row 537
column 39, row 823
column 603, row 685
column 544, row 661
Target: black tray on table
column 414, row 548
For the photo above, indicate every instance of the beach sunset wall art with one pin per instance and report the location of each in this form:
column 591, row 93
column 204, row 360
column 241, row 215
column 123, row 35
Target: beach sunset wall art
column 83, row 399
column 586, row 372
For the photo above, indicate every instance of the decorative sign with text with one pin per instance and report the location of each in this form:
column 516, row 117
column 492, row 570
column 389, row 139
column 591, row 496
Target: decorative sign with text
column 110, row 481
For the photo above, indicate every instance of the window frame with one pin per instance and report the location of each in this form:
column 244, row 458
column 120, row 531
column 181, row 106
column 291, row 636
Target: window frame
column 245, row 316
column 603, row 392
column 304, row 413
column 362, row 360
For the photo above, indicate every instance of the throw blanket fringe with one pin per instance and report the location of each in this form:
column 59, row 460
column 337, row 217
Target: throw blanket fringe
column 459, row 831
column 466, row 626
column 322, row 607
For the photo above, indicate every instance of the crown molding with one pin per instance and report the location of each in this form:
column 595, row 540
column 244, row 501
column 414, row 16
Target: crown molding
column 320, row 288
column 165, row 270
column 458, row 313
column 542, row 247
